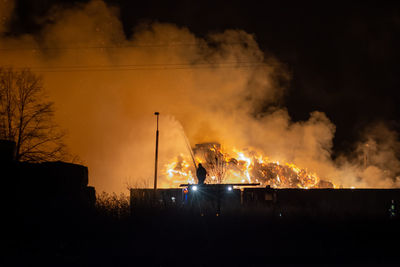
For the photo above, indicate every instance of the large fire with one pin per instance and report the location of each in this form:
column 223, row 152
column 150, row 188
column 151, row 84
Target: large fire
column 247, row 166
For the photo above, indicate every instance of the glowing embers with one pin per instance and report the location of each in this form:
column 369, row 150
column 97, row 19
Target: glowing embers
column 241, row 167
column 179, row 171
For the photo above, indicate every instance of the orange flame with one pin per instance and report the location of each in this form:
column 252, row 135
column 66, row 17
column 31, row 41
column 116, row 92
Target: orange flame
column 244, row 167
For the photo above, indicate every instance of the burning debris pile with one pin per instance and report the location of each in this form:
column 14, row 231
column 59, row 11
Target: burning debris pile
column 245, row 166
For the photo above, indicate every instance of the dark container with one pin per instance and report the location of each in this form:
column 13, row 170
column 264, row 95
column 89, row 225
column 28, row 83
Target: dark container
column 7, row 150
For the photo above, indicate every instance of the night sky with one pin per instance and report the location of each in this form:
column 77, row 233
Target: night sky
column 343, row 58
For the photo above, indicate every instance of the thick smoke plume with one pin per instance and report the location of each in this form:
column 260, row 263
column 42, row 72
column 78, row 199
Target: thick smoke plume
column 6, row 10
column 221, row 88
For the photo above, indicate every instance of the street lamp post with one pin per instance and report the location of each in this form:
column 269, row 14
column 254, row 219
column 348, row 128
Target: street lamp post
column 156, row 160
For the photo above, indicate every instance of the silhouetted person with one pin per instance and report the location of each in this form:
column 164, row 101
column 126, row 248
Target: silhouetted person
column 201, row 174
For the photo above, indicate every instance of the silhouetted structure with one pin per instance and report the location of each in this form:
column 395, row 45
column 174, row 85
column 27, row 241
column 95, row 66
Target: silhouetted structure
column 35, row 191
column 312, row 203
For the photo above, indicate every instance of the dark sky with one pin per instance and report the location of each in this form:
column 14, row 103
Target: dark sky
column 343, row 57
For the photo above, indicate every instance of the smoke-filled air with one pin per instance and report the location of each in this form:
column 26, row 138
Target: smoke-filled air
column 220, row 89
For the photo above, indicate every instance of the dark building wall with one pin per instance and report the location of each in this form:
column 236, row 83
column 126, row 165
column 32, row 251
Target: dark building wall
column 65, row 185
column 39, row 189
column 366, row 203
column 324, row 203
column 143, row 199
column 7, row 151
column 372, row 203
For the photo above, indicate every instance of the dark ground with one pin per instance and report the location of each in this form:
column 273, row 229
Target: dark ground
column 187, row 239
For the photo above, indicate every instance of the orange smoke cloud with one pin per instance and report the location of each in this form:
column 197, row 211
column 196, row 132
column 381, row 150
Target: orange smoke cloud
column 106, row 88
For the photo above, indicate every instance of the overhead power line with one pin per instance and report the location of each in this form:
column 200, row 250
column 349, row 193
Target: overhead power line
column 125, row 46
column 136, row 67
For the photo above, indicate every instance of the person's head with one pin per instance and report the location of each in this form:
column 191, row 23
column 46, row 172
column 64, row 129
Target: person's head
column 200, row 165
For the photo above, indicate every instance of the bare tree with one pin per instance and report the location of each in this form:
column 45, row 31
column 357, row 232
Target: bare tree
column 26, row 117
column 216, row 165
column 213, row 160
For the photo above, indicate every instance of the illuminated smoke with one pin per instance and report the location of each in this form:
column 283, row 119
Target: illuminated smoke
column 6, row 10
column 106, row 88
column 374, row 162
